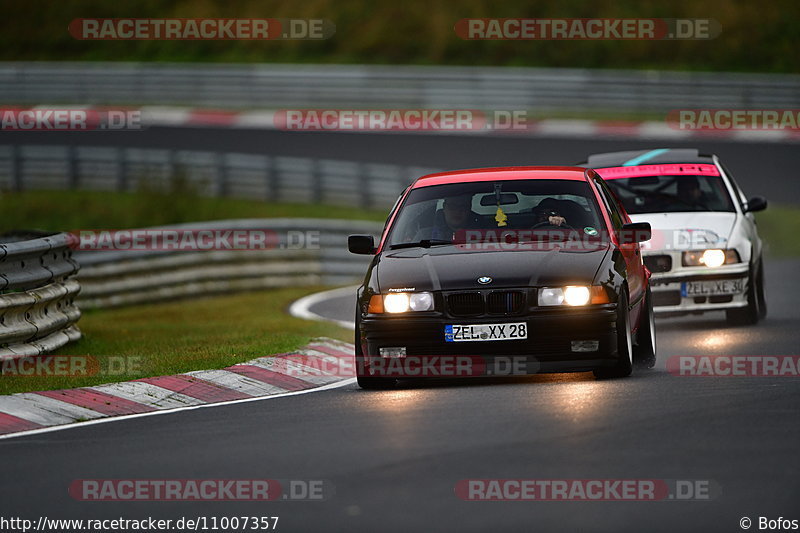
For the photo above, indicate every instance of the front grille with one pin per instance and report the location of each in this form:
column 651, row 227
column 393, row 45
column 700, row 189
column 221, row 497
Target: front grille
column 505, row 302
column 664, row 298
column 720, row 299
column 658, row 263
column 465, row 304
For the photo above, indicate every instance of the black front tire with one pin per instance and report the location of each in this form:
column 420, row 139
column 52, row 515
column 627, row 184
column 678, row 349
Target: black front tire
column 644, row 351
column 376, row 383
column 761, row 293
column 624, row 364
column 756, row 307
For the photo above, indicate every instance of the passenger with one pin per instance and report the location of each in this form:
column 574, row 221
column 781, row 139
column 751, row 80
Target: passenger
column 458, row 216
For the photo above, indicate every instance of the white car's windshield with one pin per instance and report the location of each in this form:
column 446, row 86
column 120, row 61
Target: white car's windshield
column 668, row 194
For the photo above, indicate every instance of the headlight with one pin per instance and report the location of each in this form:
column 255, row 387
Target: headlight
column 420, row 301
column 401, row 302
column 396, row 302
column 577, row 295
column 711, row 258
column 551, row 296
column 574, row 295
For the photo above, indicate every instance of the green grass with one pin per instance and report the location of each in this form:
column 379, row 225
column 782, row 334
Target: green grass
column 72, row 210
column 756, row 36
column 169, row 338
column 779, row 227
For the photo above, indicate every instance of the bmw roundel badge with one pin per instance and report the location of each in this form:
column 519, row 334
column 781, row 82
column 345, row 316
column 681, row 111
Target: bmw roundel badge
column 484, row 280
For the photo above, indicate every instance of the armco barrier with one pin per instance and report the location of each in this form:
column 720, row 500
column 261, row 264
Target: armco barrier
column 272, row 86
column 125, row 277
column 263, row 177
column 37, row 309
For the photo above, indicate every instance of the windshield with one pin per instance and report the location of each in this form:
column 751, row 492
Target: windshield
column 669, row 194
column 438, row 214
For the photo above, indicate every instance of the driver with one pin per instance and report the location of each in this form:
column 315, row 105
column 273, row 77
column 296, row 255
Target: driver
column 689, row 192
column 547, row 212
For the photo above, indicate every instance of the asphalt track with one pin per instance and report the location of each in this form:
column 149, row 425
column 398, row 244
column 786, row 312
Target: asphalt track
column 394, row 457
column 761, row 168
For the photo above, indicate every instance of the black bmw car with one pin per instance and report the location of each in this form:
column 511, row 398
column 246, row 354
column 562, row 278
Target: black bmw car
column 504, row 271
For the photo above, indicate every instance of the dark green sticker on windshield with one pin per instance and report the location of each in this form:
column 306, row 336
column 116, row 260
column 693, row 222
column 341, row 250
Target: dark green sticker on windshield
column 588, row 230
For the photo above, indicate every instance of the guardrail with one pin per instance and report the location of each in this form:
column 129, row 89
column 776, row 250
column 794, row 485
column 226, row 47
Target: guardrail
column 264, row 177
column 290, row 86
column 38, row 294
column 126, row 277
column 37, row 298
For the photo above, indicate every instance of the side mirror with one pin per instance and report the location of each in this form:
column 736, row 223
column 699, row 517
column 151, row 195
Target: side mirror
column 756, row 203
column 635, row 232
column 361, row 244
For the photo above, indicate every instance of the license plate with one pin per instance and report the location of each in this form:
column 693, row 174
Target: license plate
column 712, row 287
column 486, row 332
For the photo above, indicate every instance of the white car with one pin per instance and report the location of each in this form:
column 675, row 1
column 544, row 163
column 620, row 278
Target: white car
column 705, row 254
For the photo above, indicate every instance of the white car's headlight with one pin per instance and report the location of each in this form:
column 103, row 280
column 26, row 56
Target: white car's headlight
column 574, row 295
column 401, row 302
column 711, row 258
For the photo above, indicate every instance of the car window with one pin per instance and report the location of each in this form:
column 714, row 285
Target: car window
column 742, row 198
column 669, row 194
column 392, row 210
column 611, row 204
column 437, row 212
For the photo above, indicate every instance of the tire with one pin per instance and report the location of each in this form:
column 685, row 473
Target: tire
column 761, row 293
column 367, row 382
column 624, row 364
column 644, row 351
column 750, row 314
column 376, row 383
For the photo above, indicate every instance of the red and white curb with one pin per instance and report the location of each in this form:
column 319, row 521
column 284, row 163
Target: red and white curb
column 179, row 117
column 323, row 364
column 570, row 128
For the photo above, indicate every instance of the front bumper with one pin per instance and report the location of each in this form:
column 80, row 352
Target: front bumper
column 548, row 347
column 668, row 295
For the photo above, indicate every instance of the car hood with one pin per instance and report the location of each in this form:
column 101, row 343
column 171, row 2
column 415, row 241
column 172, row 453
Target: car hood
column 684, row 231
column 451, row 268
